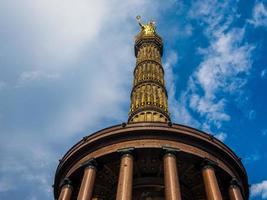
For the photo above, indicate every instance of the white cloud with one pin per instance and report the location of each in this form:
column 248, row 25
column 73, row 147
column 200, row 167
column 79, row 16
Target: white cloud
column 177, row 109
column 53, row 31
column 169, row 65
column 259, row 15
column 264, row 132
column 188, row 30
column 223, row 70
column 212, row 14
column 252, row 114
column 87, row 50
column 255, row 156
column 221, row 136
column 37, row 75
column 225, row 62
column 212, row 110
column 263, row 73
column 27, row 165
column 87, row 41
column 171, row 60
column 259, row 189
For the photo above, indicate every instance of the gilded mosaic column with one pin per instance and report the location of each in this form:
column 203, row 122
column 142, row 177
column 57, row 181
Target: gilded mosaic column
column 234, row 191
column 210, row 182
column 87, row 185
column 171, row 179
column 66, row 190
column 124, row 190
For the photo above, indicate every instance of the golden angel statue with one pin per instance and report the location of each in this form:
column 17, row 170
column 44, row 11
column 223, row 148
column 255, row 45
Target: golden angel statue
column 147, row 29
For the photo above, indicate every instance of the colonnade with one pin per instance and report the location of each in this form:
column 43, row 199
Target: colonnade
column 171, row 180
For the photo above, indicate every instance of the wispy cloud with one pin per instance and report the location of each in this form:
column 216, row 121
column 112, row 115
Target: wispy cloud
column 259, row 15
column 37, row 75
column 264, row 132
column 259, row 189
column 223, row 70
column 254, row 156
column 177, row 110
column 214, row 16
column 263, row 73
column 251, row 114
column 221, row 136
column 26, row 164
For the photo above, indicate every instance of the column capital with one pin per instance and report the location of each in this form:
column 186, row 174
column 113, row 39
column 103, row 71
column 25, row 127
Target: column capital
column 126, row 152
column 170, row 151
column 235, row 183
column 65, row 182
column 235, row 190
column 206, row 163
column 91, row 163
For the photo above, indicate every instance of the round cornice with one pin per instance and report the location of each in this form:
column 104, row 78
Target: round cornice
column 152, row 135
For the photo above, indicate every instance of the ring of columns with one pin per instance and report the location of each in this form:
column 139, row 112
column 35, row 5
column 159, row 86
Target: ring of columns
column 150, row 161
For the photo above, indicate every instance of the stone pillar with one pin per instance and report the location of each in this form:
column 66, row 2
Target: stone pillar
column 210, row 182
column 66, row 190
column 234, row 191
column 87, row 185
column 171, row 179
column 124, row 190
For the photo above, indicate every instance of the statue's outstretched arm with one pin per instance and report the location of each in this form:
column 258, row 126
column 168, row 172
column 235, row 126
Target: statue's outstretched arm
column 138, row 18
column 141, row 25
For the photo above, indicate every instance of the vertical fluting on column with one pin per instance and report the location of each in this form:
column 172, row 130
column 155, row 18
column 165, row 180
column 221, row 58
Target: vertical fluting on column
column 234, row 190
column 125, row 182
column 66, row 190
column 87, row 185
column 210, row 182
column 171, row 179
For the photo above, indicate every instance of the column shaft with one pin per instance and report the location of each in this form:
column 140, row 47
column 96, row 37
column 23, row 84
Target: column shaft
column 87, row 186
column 65, row 193
column 124, row 190
column 211, row 184
column 235, row 193
column 171, row 180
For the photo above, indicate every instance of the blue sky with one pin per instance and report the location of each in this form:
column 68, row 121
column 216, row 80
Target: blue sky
column 66, row 71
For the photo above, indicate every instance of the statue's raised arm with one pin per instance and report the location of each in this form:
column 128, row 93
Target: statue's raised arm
column 138, row 18
column 147, row 29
